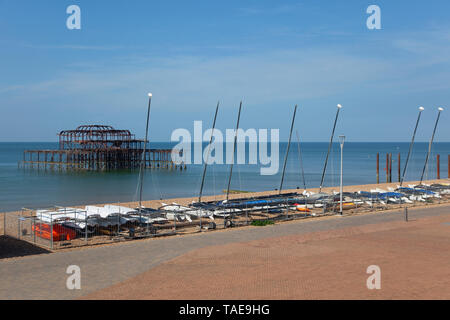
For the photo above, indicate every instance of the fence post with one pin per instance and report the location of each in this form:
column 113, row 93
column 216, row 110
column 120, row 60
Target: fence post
column 86, row 228
column 287, row 210
column 406, row 214
column 40, row 226
column 246, row 216
column 118, row 224
column 33, row 229
column 51, row 231
column 4, row 223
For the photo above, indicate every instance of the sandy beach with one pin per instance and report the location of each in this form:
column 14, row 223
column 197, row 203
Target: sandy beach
column 9, row 220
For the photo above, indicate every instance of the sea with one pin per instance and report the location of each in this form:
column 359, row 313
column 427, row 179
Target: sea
column 32, row 188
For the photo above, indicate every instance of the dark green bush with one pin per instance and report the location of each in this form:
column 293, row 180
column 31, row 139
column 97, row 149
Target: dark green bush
column 261, row 223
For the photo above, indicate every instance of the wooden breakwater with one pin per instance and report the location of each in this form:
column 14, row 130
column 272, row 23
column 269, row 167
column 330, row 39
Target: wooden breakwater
column 389, row 167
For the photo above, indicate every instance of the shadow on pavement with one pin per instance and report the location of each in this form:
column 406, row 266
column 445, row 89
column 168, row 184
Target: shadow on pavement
column 11, row 247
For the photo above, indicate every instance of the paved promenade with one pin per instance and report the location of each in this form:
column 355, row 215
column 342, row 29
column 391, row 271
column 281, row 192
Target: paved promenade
column 43, row 276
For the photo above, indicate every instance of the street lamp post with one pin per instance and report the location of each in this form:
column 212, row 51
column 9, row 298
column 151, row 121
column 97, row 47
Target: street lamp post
column 341, row 140
column 143, row 162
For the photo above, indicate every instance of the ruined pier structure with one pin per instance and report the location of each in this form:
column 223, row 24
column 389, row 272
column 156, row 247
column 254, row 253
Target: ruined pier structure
column 99, row 147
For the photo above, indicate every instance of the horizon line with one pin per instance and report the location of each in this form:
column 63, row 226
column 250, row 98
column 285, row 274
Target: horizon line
column 335, row 141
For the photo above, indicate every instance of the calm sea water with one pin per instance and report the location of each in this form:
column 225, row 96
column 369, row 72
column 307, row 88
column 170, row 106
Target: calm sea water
column 34, row 188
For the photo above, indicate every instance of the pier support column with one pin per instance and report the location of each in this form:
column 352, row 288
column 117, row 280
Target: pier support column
column 438, row 166
column 390, row 167
column 387, row 167
column 378, row 167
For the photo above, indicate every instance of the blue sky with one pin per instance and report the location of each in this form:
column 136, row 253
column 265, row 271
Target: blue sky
column 271, row 54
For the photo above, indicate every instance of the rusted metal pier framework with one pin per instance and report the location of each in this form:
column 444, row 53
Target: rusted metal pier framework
column 98, row 147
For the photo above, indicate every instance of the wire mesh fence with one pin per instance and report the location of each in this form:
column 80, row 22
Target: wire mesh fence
column 64, row 227
column 3, row 223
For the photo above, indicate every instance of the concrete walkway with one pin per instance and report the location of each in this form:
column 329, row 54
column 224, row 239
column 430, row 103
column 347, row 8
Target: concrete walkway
column 44, row 276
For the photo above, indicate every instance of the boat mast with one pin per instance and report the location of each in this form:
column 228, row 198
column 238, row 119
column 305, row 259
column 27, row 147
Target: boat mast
column 411, row 145
column 300, row 159
column 329, row 147
column 287, row 151
column 431, row 142
column 234, row 149
column 141, row 169
column 207, row 155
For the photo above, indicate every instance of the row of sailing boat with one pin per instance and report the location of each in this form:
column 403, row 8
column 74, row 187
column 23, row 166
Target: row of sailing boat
column 92, row 217
column 111, row 216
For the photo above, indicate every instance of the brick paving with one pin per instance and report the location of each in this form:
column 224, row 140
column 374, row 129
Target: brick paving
column 414, row 258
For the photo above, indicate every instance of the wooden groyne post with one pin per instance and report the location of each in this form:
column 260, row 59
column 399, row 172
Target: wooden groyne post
column 390, row 167
column 387, row 167
column 378, row 167
column 438, row 166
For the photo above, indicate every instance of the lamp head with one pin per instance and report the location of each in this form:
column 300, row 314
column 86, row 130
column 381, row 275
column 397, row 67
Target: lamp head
column 339, row 106
column 421, row 108
column 150, row 94
column 441, row 109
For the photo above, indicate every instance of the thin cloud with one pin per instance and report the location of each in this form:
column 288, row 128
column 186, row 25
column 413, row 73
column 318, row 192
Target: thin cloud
column 280, row 9
column 263, row 77
column 266, row 79
column 75, row 47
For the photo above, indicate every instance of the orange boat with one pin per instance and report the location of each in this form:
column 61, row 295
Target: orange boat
column 301, row 209
column 60, row 233
column 348, row 205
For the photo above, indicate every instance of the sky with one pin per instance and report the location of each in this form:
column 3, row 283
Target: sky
column 190, row 54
